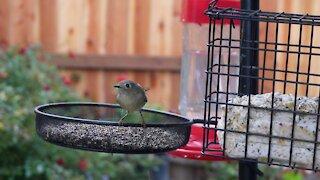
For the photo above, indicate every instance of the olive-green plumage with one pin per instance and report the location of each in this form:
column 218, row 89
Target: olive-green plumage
column 131, row 97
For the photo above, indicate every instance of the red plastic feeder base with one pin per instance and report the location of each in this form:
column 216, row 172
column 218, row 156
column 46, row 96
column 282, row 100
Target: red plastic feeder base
column 194, row 147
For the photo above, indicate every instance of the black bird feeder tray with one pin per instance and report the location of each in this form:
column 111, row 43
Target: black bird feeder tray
column 95, row 127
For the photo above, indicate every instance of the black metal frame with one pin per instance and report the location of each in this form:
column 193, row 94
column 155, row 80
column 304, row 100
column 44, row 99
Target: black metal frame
column 249, row 71
column 112, row 137
column 40, row 110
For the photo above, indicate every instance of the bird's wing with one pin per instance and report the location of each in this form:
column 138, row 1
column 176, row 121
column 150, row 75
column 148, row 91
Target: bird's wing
column 145, row 98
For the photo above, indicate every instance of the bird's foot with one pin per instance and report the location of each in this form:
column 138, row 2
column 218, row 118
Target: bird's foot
column 142, row 120
column 120, row 121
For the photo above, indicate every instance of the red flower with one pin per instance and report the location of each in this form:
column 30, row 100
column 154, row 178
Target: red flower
column 66, row 80
column 3, row 75
column 47, row 87
column 71, row 55
column 60, row 162
column 22, row 50
column 122, row 77
column 83, row 164
column 86, row 93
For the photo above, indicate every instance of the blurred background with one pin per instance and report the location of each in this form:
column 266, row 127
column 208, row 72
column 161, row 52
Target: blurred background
column 109, row 37
column 89, row 46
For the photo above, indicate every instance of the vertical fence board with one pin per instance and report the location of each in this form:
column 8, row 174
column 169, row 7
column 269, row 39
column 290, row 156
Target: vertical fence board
column 48, row 25
column 23, row 22
column 141, row 28
column 96, row 26
column 4, row 25
column 117, row 25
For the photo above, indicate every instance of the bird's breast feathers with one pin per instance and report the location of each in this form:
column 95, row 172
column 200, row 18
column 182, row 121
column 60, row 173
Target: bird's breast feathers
column 131, row 103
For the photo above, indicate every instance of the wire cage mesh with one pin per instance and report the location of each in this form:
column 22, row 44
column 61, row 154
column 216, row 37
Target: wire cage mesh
column 264, row 110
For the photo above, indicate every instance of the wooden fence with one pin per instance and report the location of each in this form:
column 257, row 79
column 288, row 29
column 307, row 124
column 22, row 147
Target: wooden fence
column 123, row 31
column 96, row 79
column 306, row 64
column 133, row 38
column 145, row 27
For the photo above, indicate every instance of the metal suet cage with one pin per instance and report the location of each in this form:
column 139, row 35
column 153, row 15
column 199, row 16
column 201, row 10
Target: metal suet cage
column 273, row 117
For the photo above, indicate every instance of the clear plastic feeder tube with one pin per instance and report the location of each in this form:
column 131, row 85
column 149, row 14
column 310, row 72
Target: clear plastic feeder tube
column 194, row 59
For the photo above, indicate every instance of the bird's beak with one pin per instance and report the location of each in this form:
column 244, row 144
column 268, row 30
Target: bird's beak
column 116, row 86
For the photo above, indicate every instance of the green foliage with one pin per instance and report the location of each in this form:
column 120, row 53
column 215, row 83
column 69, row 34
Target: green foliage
column 26, row 83
column 291, row 175
column 229, row 171
column 223, row 170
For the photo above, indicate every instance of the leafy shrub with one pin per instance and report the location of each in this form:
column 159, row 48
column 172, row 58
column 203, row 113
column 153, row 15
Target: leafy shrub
column 26, row 83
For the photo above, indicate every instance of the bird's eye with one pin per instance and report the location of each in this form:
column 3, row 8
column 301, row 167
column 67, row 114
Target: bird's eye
column 128, row 85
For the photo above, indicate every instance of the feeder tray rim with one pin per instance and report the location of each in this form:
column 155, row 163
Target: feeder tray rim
column 39, row 111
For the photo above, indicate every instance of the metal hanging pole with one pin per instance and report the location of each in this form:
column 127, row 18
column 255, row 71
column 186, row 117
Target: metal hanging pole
column 249, row 58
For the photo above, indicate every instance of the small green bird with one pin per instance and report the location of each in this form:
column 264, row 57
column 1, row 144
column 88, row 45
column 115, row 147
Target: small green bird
column 131, row 97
